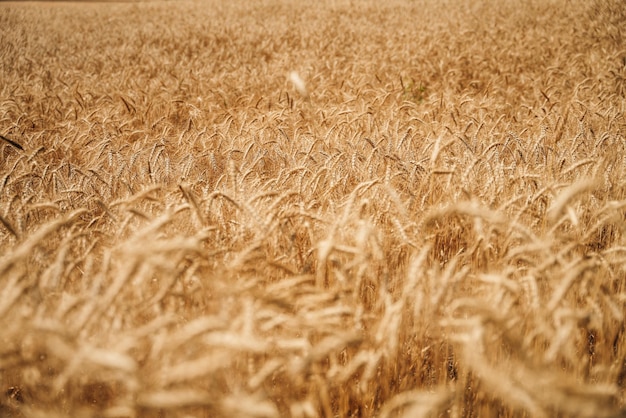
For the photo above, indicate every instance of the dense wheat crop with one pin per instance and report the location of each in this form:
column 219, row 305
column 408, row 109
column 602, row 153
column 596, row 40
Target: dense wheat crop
column 342, row 208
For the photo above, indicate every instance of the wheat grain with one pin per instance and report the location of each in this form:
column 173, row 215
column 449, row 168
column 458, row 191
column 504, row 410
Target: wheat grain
column 431, row 226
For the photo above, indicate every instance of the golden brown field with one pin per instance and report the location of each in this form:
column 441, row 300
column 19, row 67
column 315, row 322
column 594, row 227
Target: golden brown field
column 432, row 223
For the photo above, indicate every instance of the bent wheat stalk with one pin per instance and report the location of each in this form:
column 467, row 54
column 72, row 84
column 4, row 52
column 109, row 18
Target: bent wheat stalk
column 11, row 142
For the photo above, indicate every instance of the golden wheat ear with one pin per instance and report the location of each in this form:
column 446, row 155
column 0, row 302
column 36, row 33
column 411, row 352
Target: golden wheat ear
column 15, row 144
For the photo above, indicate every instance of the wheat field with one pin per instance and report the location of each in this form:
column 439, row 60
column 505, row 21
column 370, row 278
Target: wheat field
column 343, row 208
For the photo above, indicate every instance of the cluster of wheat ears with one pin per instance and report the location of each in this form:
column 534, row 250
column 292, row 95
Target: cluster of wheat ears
column 332, row 209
